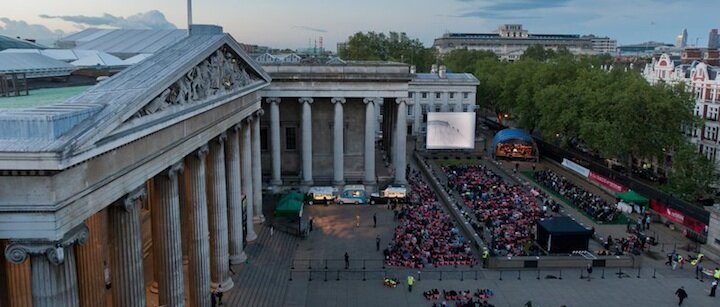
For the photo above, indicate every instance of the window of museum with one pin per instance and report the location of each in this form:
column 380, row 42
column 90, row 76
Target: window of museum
column 465, row 107
column 290, row 138
column 452, row 95
column 410, row 110
column 424, row 108
column 438, row 108
column 424, row 95
column 410, row 95
column 466, row 95
column 437, row 95
column 263, row 139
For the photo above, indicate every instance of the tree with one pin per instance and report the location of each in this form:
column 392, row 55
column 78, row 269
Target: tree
column 692, row 174
column 394, row 46
column 464, row 60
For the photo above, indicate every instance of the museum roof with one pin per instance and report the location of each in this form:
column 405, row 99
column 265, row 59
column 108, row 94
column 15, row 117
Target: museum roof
column 126, row 42
column 450, row 77
column 61, row 128
column 33, row 65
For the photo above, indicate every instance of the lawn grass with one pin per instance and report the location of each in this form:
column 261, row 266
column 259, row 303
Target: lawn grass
column 622, row 219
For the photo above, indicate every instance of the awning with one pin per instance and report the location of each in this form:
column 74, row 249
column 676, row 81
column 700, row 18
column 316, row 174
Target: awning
column 632, row 197
column 289, row 205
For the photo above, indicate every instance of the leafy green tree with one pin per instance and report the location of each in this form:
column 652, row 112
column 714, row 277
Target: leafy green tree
column 394, row 46
column 691, row 174
column 464, row 60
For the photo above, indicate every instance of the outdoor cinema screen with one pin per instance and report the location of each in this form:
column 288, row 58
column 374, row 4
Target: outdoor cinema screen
column 450, row 130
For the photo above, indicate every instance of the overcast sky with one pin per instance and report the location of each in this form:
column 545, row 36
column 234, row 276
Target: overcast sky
column 293, row 23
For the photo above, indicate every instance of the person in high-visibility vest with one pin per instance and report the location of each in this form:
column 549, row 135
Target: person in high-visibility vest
column 410, row 282
column 485, row 256
column 716, row 274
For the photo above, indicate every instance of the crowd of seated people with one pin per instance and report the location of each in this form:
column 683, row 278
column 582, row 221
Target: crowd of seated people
column 593, row 205
column 425, row 234
column 462, row 298
column 507, row 211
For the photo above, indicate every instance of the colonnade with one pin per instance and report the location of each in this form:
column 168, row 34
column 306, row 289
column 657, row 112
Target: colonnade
column 369, row 177
column 205, row 187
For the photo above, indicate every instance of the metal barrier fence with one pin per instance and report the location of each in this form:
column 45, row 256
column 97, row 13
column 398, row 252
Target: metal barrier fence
column 462, row 275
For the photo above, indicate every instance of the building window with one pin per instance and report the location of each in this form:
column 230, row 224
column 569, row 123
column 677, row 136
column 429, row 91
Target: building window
column 290, row 138
column 410, row 95
column 410, row 110
column 438, row 108
column 424, row 108
column 424, row 94
column 452, row 95
column 437, row 95
column 263, row 139
column 466, row 95
column 465, row 107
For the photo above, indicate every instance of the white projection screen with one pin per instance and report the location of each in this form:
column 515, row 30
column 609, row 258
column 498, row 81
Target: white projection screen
column 450, row 130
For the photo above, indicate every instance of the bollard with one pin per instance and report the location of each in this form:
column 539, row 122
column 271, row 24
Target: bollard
column 292, row 266
column 501, row 275
column 476, row 275
column 654, row 270
column 518, row 274
column 619, row 273
column 325, row 264
column 560, row 275
column 290, row 275
column 638, row 275
column 581, row 274
column 337, row 277
column 538, row 274
column 603, row 274
column 363, row 264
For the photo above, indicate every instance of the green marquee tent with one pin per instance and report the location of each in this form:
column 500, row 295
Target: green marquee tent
column 632, row 197
column 290, row 205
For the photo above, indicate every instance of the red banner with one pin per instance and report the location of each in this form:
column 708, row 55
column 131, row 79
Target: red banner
column 677, row 216
column 607, row 182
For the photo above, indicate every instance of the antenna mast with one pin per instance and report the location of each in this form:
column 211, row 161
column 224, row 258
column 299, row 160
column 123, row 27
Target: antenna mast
column 189, row 14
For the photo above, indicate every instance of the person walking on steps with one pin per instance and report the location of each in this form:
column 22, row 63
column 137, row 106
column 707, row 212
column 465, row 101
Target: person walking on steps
column 681, row 294
column 219, row 294
column 410, row 282
column 377, row 243
column 374, row 220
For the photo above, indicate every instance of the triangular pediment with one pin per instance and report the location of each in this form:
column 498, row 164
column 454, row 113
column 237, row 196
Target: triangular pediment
column 201, row 71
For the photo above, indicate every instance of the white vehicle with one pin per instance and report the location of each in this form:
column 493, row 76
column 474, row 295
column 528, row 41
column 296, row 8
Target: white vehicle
column 352, row 194
column 320, row 195
column 390, row 194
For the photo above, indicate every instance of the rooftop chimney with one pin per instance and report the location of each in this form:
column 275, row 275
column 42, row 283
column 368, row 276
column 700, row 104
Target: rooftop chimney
column 413, row 69
column 442, row 73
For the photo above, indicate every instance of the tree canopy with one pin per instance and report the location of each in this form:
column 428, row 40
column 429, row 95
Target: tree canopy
column 394, row 46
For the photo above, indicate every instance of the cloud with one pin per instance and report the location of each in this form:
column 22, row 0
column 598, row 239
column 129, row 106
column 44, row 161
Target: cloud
column 310, row 29
column 15, row 28
column 153, row 19
column 516, row 9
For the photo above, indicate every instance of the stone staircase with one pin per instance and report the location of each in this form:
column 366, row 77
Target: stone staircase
column 263, row 279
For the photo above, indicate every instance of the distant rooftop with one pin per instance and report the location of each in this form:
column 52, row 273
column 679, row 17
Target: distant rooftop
column 123, row 43
column 9, row 42
column 41, row 97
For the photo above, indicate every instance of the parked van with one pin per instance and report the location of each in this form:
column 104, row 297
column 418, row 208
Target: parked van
column 320, row 195
column 352, row 194
column 394, row 194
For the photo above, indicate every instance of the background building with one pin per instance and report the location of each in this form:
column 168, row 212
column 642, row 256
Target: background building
column 511, row 40
column 713, row 39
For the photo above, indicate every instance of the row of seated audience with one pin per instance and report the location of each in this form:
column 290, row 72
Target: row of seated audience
column 425, row 234
column 600, row 210
column 462, row 298
column 507, row 211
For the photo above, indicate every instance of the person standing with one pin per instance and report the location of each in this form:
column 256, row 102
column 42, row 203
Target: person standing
column 347, row 260
column 219, row 293
column 377, row 243
column 310, row 223
column 357, row 220
column 648, row 220
column 589, row 270
column 374, row 220
column 713, row 287
column 681, row 294
column 410, row 282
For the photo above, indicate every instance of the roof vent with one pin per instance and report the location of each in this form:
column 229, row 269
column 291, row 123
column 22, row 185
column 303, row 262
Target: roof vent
column 205, row 29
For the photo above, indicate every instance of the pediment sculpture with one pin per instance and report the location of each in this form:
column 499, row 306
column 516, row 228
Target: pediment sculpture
column 221, row 73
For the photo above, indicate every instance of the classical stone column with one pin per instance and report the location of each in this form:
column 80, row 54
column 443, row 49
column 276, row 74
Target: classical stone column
column 217, row 212
column 198, row 236
column 338, row 153
column 15, row 281
column 91, row 262
column 234, row 196
column 275, row 141
column 307, row 177
column 369, row 141
column 167, row 249
column 247, row 187
column 54, row 274
column 257, row 172
column 126, row 253
column 400, row 150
